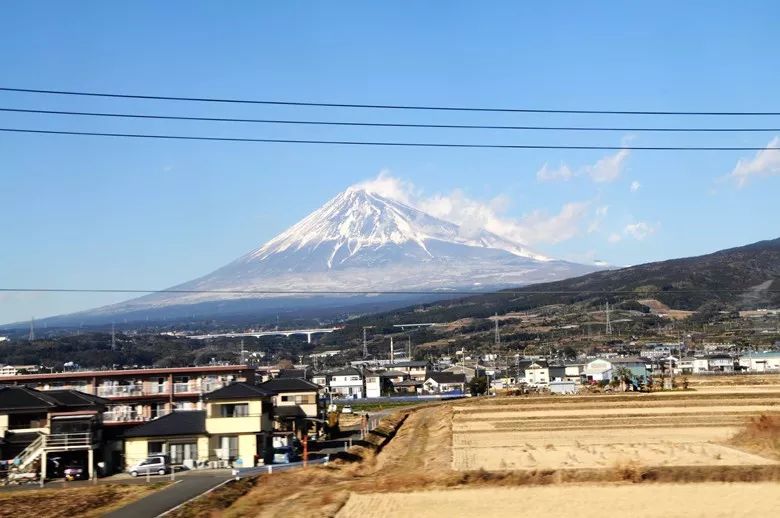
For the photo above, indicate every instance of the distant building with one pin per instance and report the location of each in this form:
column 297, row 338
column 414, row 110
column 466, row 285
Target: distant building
column 445, row 383
column 537, row 374
column 598, row 370
column 563, row 387
column 346, row 383
column 761, row 362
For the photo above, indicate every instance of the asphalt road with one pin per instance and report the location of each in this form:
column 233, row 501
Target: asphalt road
column 185, row 488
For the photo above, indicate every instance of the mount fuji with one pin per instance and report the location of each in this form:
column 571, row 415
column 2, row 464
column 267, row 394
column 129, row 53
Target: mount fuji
column 359, row 241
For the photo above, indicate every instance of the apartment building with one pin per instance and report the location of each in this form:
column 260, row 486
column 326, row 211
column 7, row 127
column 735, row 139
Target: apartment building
column 139, row 395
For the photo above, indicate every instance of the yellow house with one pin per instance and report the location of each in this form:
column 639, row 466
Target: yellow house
column 234, row 430
column 297, row 405
column 239, row 423
column 180, row 434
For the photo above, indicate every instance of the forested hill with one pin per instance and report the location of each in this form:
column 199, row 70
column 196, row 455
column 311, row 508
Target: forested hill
column 743, row 277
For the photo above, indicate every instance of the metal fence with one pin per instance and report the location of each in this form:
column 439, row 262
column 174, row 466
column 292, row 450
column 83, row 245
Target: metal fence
column 275, row 468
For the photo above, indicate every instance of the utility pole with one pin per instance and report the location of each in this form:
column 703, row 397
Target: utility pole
column 392, row 351
column 113, row 337
column 32, row 329
column 409, row 347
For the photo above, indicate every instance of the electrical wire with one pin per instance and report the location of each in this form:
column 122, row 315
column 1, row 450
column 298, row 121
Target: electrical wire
column 389, row 124
column 389, row 106
column 388, row 144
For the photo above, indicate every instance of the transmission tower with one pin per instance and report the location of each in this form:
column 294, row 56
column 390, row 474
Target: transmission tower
column 365, row 342
column 32, row 329
column 609, row 323
column 498, row 335
column 113, row 337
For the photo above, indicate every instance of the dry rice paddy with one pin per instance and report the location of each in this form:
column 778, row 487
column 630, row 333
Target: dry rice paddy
column 710, row 500
column 580, row 433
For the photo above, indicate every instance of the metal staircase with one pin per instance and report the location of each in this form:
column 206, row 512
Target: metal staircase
column 51, row 442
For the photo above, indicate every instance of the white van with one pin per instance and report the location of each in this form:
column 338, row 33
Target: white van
column 153, row 465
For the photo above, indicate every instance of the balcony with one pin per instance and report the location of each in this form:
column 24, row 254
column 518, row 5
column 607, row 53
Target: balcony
column 120, row 391
column 123, row 416
column 182, row 388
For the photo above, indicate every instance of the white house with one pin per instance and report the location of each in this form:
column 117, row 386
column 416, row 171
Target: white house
column 537, row 374
column 346, row 383
column 700, row 365
column 444, row 382
column 598, row 370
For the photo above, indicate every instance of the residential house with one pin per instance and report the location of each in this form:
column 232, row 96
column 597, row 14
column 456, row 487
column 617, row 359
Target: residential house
column 239, row 422
column 445, row 383
column 416, row 370
column 181, row 434
column 537, row 374
column 35, row 425
column 346, row 383
column 297, row 404
column 700, row 365
column 470, row 371
column 637, row 367
column 597, row 370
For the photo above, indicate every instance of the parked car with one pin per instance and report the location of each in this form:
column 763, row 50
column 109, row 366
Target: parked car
column 285, row 455
column 154, row 464
column 75, row 471
column 347, row 409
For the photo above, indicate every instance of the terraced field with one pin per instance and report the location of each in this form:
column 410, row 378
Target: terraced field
column 606, row 431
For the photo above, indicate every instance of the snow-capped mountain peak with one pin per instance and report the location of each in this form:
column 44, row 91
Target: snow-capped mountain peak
column 357, row 219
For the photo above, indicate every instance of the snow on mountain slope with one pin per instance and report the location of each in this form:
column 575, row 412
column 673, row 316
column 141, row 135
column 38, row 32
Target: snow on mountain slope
column 357, row 219
column 361, row 241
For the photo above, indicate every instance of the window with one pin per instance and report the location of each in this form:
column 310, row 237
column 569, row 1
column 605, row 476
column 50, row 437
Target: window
column 153, row 447
column 229, row 447
column 234, row 410
column 184, row 451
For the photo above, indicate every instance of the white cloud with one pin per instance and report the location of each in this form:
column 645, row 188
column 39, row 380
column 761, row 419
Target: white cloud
column 639, row 230
column 765, row 163
column 548, row 174
column 608, row 168
column 599, row 215
column 536, row 226
column 385, row 184
column 614, row 237
column 635, row 186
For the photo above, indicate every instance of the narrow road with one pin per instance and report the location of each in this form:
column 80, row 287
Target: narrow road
column 186, row 487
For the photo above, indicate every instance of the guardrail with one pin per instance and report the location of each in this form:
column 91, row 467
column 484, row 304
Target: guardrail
column 275, row 468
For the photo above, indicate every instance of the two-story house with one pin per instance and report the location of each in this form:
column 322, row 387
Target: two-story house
column 35, row 425
column 297, row 405
column 234, row 429
column 416, row 370
column 346, row 383
column 537, row 374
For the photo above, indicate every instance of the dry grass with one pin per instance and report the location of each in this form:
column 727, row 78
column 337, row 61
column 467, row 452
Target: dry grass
column 640, row 501
column 85, row 501
column 215, row 501
column 761, row 435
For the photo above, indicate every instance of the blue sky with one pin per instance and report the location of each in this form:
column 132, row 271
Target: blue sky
column 102, row 213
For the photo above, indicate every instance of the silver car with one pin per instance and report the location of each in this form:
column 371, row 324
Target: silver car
column 152, row 465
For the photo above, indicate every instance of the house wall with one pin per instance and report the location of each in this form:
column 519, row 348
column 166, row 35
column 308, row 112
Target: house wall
column 137, row 448
column 255, row 422
column 309, row 408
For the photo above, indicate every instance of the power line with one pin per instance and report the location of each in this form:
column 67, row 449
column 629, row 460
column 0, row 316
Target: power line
column 390, row 144
column 385, row 106
column 370, row 292
column 390, row 124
